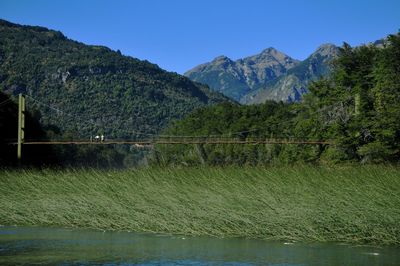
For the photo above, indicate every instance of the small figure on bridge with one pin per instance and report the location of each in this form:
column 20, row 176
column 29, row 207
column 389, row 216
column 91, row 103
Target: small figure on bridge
column 102, row 138
column 97, row 138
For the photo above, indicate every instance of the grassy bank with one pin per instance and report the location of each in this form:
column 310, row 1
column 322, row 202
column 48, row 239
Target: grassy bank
column 358, row 204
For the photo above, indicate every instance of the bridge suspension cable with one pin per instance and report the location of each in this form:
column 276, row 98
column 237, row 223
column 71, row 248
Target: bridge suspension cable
column 153, row 139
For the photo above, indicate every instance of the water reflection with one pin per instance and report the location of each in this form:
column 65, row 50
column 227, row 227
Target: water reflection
column 84, row 247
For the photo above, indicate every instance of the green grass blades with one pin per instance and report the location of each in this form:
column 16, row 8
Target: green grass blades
column 346, row 204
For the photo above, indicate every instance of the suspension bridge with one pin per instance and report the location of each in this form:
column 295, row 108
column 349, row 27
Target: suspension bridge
column 150, row 142
column 154, row 140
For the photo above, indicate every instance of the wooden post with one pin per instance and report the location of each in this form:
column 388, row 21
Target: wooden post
column 21, row 125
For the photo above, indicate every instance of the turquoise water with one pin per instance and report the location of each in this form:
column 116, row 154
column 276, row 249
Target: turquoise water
column 43, row 246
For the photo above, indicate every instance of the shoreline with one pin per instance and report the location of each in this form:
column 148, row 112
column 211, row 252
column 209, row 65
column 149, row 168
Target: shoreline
column 184, row 237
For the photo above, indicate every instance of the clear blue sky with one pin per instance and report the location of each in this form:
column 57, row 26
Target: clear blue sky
column 180, row 34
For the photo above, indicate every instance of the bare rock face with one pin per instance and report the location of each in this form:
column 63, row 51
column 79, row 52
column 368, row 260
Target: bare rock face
column 238, row 78
column 269, row 75
column 292, row 85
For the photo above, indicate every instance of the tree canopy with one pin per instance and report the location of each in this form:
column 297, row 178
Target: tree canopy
column 357, row 107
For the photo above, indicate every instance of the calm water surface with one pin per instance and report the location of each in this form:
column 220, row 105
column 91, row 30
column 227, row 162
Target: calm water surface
column 43, row 246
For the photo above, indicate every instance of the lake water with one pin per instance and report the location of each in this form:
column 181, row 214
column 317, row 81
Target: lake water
column 32, row 245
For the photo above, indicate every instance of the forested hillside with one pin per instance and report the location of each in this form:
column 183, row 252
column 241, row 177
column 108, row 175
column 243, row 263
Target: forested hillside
column 357, row 108
column 75, row 91
column 92, row 89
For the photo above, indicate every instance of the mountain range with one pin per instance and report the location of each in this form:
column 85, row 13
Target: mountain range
column 269, row 75
column 88, row 89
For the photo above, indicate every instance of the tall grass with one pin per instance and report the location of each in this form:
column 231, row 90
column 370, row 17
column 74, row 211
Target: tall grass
column 354, row 204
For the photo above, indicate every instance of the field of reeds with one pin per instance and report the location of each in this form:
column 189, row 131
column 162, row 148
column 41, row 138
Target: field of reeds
column 345, row 204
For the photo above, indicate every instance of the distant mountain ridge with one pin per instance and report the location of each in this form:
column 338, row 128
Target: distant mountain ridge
column 294, row 83
column 270, row 75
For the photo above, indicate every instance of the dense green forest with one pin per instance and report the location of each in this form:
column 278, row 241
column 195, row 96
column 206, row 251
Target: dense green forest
column 98, row 90
column 34, row 155
column 357, row 108
column 61, row 155
column 76, row 91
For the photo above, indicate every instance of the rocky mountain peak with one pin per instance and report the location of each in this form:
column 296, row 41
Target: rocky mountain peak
column 326, row 49
column 221, row 59
column 272, row 54
column 269, row 50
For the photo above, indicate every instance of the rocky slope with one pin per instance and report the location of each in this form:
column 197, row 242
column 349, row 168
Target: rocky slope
column 293, row 84
column 270, row 75
column 238, row 78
